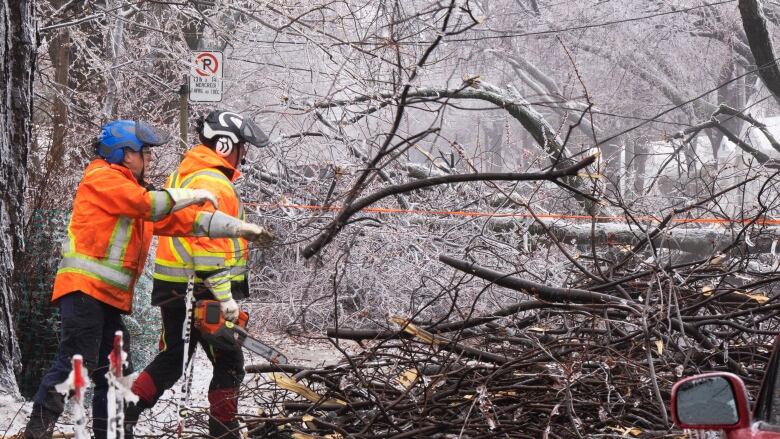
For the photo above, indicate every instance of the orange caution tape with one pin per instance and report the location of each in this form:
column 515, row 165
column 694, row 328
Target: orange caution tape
column 386, row 210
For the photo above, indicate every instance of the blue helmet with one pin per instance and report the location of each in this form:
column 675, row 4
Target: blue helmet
column 120, row 134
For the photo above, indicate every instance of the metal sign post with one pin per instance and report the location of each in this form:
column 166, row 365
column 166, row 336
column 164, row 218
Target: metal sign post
column 205, row 84
column 184, row 114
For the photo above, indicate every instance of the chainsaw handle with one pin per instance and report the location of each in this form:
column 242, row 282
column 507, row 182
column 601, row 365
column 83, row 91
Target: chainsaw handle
column 243, row 318
column 208, row 314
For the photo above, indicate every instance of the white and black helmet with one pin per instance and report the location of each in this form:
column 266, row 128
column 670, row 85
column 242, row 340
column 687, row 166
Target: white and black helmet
column 224, row 129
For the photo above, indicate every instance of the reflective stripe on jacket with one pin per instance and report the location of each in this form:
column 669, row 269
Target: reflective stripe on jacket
column 108, row 235
column 221, row 260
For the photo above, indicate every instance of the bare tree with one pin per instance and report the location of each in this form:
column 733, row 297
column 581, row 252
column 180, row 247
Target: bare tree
column 755, row 25
column 17, row 61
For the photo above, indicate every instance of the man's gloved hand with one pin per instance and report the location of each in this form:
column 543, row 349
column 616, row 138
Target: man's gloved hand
column 186, row 197
column 255, row 233
column 222, row 225
column 229, row 309
column 219, row 285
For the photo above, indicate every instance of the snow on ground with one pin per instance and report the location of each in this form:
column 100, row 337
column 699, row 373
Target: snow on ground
column 15, row 411
column 300, row 351
column 13, row 414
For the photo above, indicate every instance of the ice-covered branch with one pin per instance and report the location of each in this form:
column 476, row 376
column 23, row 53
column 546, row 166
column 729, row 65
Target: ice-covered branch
column 346, row 213
column 516, row 106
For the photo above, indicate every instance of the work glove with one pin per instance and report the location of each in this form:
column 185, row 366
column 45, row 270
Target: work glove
column 223, row 225
column 186, row 197
column 229, row 309
column 219, row 285
column 255, row 233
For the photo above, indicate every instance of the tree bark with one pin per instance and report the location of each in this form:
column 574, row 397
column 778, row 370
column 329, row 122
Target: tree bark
column 17, row 56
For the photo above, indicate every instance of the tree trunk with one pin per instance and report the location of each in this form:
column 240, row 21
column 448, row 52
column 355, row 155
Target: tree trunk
column 17, row 56
column 641, row 153
column 628, row 171
column 494, row 142
column 114, row 44
column 60, row 55
column 754, row 23
column 59, row 52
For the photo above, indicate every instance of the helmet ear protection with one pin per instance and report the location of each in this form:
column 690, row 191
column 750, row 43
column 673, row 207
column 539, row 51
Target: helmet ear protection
column 223, row 131
column 110, row 154
column 223, row 146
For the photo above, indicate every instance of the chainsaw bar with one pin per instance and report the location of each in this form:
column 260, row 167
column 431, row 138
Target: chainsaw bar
column 224, row 334
column 258, row 347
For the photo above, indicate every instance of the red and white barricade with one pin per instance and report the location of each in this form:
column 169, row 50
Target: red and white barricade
column 75, row 387
column 119, row 386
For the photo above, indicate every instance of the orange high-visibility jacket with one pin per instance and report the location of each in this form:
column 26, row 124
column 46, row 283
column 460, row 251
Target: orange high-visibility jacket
column 109, row 235
column 223, row 259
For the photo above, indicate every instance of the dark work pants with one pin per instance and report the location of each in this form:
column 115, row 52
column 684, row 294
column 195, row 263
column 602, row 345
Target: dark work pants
column 166, row 368
column 88, row 328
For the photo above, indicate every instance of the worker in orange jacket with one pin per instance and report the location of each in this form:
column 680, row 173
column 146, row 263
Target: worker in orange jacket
column 110, row 230
column 220, row 269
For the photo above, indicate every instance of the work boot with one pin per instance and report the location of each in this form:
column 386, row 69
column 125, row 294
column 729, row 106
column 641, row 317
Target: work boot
column 224, row 430
column 132, row 413
column 41, row 423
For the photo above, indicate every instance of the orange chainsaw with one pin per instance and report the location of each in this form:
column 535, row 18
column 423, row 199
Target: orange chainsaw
column 227, row 335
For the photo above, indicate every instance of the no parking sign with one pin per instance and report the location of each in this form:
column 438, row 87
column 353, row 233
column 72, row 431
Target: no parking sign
column 206, row 77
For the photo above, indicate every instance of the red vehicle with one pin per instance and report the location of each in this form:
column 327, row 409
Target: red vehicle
column 719, row 401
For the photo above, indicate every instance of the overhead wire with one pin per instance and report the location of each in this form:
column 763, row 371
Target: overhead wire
column 553, row 216
column 689, row 101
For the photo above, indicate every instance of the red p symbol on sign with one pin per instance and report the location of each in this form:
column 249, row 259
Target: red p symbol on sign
column 206, row 64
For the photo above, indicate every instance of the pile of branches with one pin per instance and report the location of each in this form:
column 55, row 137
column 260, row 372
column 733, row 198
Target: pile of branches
column 596, row 359
column 582, row 336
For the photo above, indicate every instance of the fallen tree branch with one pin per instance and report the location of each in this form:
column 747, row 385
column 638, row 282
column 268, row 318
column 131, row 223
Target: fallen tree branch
column 698, row 241
column 342, row 218
column 544, row 292
column 760, row 156
column 725, row 109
